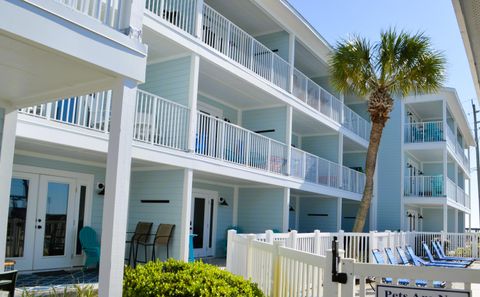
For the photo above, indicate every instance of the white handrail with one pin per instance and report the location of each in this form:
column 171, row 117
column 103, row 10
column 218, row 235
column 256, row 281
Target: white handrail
column 424, row 186
column 317, row 170
column 106, row 11
column 424, row 132
column 219, row 139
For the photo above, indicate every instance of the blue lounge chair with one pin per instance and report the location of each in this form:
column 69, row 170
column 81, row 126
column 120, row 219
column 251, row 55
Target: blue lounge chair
column 419, row 282
column 417, row 261
column 403, row 256
column 90, row 246
column 432, row 259
column 438, row 249
column 377, row 255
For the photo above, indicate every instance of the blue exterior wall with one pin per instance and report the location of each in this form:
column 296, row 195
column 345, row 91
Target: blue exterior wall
column 389, row 173
column 157, row 185
column 169, row 79
column 224, row 215
column 432, row 169
column 432, row 219
column 267, row 119
column 354, row 160
column 260, row 209
column 276, row 41
column 361, row 110
column 311, row 208
column 295, row 140
column 323, row 146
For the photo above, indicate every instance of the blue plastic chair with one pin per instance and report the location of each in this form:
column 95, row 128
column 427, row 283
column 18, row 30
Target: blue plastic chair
column 90, row 246
column 417, row 261
column 438, row 249
column 419, row 282
column 432, row 259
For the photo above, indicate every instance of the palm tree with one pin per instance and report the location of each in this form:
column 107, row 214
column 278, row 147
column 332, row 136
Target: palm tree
column 398, row 65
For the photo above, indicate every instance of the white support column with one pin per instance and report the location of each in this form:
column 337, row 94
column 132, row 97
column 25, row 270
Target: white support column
column 192, row 101
column 297, row 212
column 235, row 206
column 445, row 217
column 115, row 204
column 286, row 209
column 288, row 137
column 339, row 213
column 7, row 151
column 199, row 19
column 131, row 18
column 186, row 214
column 456, row 221
column 340, row 158
column 291, row 59
column 420, row 222
column 445, row 156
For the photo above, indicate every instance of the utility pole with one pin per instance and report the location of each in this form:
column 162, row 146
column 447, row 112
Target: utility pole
column 475, row 129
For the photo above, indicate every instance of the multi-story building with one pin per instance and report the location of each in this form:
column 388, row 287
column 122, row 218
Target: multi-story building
column 424, row 165
column 234, row 124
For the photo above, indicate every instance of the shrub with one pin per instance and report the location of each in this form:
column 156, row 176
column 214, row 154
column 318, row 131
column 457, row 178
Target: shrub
column 176, row 278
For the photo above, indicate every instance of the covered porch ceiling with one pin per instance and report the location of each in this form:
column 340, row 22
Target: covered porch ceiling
column 431, row 110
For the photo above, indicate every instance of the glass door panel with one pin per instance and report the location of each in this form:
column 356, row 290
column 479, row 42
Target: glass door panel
column 56, row 219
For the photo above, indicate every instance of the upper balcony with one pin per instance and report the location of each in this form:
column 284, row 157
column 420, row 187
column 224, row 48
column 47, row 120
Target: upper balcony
column 432, row 187
column 229, row 40
column 163, row 123
column 434, row 131
column 56, row 49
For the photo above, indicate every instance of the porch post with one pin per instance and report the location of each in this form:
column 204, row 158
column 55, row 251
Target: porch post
column 115, row 207
column 186, row 214
column 456, row 221
column 291, row 60
column 235, row 206
column 339, row 213
column 286, row 209
column 445, row 217
column 288, row 138
column 192, row 101
column 7, row 151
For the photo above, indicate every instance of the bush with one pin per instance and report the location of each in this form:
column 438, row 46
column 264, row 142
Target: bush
column 176, row 278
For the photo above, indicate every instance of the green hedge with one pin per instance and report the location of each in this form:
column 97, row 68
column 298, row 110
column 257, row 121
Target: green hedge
column 176, row 278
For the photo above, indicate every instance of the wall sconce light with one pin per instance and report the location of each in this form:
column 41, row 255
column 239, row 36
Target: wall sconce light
column 291, row 208
column 409, row 215
column 409, row 165
column 420, row 217
column 420, row 172
column 222, row 202
column 409, row 113
column 100, row 187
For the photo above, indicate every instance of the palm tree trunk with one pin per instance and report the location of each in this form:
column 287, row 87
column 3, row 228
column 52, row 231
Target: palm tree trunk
column 370, row 164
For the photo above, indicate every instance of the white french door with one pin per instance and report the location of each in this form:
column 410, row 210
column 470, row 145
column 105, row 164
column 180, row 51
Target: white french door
column 54, row 223
column 45, row 214
column 203, row 223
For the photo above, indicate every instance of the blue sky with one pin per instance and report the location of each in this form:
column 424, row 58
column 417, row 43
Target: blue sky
column 337, row 19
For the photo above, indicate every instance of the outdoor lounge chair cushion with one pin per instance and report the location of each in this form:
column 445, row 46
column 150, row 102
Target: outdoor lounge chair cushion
column 90, row 246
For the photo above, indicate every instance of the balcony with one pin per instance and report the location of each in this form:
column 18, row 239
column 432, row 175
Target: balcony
column 457, row 148
column 424, row 132
column 320, row 171
column 230, row 40
column 162, row 123
column 433, row 187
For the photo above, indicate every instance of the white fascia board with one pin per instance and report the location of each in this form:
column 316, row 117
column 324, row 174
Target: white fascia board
column 425, row 146
column 438, row 201
column 74, row 34
column 458, row 206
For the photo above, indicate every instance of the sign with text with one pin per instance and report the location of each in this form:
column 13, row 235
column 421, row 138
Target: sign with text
column 402, row 291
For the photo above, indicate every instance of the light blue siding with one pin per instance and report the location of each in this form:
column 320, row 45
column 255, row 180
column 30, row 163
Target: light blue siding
column 224, row 216
column 228, row 112
column 461, row 222
column 295, row 141
column 361, row 110
column 354, row 160
column 267, row 119
column 318, row 214
column 389, row 174
column 276, row 41
column 169, row 80
column 260, row 209
column 324, row 82
column 157, row 185
column 432, row 219
column 322, row 146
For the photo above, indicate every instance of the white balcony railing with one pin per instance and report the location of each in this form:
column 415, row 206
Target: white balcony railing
column 106, row 11
column 160, row 122
column 227, row 38
column 320, row 171
column 221, row 140
column 424, row 186
column 90, row 111
column 456, row 147
column 457, row 194
column 424, row 132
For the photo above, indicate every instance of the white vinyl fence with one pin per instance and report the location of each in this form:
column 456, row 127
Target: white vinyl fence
column 296, row 264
